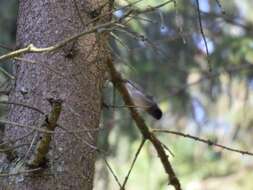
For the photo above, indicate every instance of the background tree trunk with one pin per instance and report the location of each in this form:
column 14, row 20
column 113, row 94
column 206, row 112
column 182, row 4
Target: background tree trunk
column 74, row 74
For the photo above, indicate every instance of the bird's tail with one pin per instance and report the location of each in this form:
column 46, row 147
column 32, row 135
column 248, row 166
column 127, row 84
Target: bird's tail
column 144, row 101
column 155, row 111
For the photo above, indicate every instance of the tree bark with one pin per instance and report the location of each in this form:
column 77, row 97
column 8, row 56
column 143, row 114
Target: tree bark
column 74, row 74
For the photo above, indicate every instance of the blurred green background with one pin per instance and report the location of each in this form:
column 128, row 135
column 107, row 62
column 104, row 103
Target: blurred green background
column 171, row 65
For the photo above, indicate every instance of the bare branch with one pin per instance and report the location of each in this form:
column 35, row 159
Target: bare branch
column 32, row 49
column 99, row 28
column 208, row 142
column 117, row 81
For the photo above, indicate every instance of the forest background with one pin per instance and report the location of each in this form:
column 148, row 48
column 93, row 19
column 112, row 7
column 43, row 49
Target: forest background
column 174, row 68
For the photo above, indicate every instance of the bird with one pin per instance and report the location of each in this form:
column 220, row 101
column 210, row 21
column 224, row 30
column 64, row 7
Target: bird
column 143, row 101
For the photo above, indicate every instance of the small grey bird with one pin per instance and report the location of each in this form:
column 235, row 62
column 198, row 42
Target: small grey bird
column 143, row 101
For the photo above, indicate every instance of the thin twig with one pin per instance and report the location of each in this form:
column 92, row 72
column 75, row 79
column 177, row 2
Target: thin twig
column 11, row 123
column 79, row 13
column 31, row 146
column 4, row 92
column 112, row 172
column 133, row 163
column 32, row 49
column 7, row 74
column 114, row 36
column 166, row 148
column 6, row 47
column 79, row 137
column 210, row 76
column 18, row 139
column 150, row 8
column 203, row 35
column 98, row 28
column 206, row 141
column 20, row 172
column 47, row 66
column 220, row 6
column 23, row 105
column 7, row 149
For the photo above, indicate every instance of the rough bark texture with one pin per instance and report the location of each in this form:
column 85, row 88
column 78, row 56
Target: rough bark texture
column 74, row 74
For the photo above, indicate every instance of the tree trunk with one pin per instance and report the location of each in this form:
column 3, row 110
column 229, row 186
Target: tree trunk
column 74, row 74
